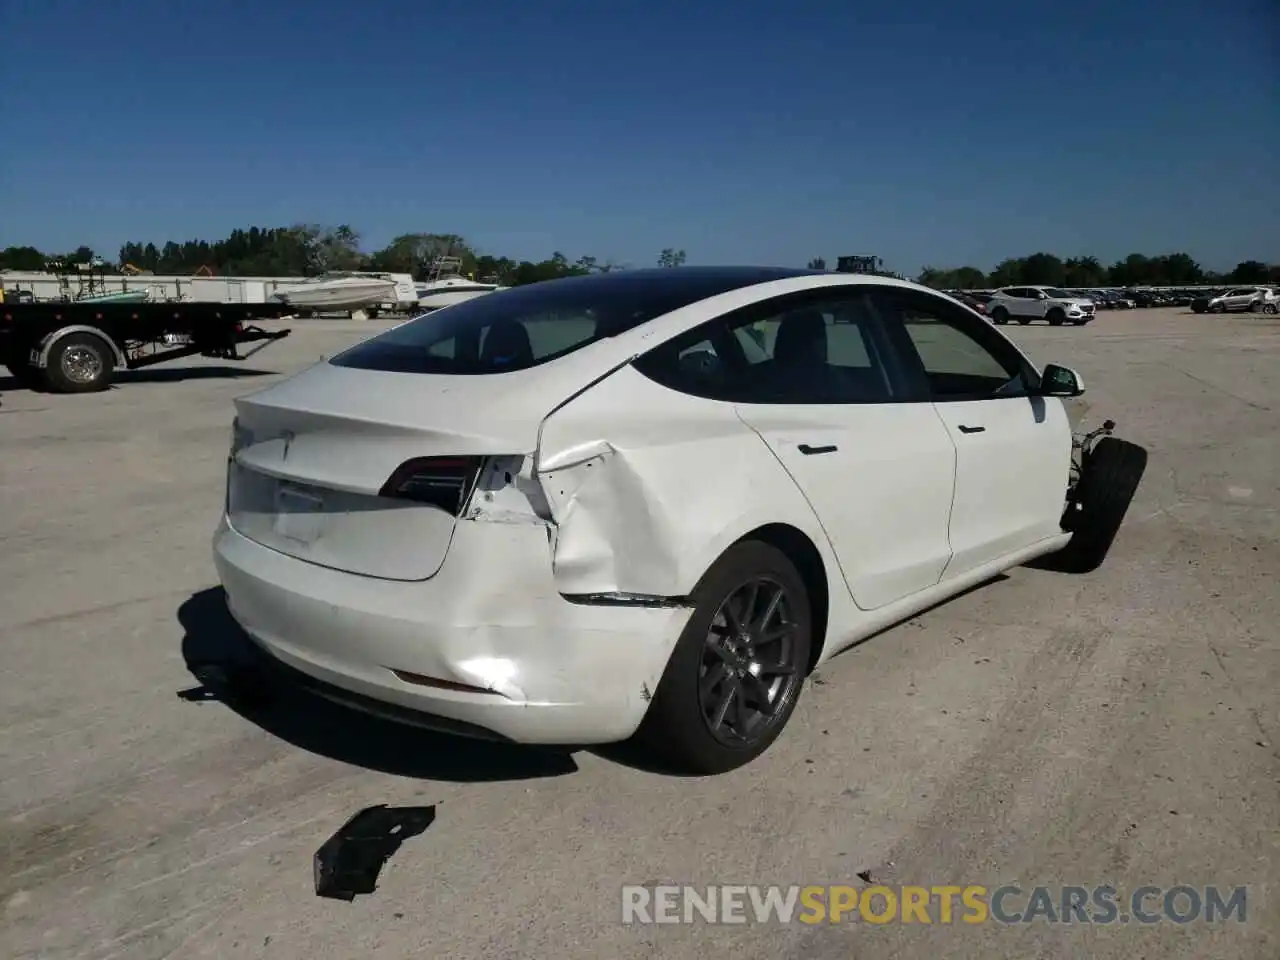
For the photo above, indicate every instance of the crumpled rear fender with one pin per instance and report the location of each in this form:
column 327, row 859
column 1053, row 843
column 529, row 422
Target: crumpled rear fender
column 645, row 487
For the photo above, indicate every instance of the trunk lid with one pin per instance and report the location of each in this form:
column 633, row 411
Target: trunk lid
column 312, row 454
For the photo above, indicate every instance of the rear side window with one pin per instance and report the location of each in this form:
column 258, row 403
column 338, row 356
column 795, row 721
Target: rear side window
column 820, row 351
column 521, row 328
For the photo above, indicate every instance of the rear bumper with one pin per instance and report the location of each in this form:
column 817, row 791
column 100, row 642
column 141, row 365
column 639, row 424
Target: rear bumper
column 539, row 669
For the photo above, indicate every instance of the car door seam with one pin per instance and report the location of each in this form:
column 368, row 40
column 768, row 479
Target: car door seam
column 955, row 482
column 813, row 510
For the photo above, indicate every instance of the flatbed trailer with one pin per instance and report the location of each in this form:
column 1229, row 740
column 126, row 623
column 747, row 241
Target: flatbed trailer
column 78, row 347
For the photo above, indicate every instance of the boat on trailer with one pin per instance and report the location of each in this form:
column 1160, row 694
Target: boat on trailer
column 446, row 285
column 339, row 292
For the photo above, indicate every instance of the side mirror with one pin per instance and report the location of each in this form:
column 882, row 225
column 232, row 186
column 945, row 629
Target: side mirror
column 1058, row 381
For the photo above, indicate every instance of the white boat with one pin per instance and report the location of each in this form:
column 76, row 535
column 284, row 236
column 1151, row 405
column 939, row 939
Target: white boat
column 446, row 285
column 345, row 291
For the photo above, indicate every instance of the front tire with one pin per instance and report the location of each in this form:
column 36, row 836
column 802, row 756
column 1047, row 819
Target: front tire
column 1056, row 318
column 79, row 363
column 738, row 669
column 1107, row 484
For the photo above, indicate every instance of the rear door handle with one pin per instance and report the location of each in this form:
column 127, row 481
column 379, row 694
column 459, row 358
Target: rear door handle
column 964, row 429
column 809, row 451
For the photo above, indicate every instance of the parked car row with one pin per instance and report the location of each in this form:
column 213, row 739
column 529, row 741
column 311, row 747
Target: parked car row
column 1059, row 306
column 1025, row 304
column 1238, row 299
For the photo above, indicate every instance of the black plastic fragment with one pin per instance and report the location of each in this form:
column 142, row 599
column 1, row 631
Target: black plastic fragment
column 348, row 863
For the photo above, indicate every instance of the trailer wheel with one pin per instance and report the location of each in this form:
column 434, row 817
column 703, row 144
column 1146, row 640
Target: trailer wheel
column 79, row 363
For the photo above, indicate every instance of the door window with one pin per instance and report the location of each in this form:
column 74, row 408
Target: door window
column 960, row 356
column 790, row 350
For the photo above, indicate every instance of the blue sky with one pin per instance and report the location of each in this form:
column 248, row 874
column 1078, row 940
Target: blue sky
column 937, row 132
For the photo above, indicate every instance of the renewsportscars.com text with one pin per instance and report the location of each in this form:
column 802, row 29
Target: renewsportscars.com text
column 968, row 904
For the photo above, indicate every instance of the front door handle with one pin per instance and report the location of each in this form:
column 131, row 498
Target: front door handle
column 809, row 451
column 964, row 429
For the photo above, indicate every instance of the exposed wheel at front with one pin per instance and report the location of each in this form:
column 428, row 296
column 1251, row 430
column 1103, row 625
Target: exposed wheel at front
column 738, row 669
column 1108, row 481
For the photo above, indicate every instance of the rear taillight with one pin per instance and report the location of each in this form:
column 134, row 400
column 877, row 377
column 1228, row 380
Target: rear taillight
column 444, row 482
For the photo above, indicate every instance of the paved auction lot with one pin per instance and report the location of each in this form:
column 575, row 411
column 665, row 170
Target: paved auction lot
column 1118, row 727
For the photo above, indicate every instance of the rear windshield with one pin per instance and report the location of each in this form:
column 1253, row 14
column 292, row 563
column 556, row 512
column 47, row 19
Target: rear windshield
column 530, row 325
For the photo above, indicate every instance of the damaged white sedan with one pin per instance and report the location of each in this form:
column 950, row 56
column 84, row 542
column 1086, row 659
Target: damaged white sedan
column 646, row 503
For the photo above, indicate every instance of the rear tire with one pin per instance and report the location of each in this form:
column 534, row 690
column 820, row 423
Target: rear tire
column 1107, row 484
column 1000, row 316
column 713, row 672
column 79, row 363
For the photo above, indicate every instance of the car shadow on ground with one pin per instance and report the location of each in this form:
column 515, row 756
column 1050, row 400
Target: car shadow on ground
column 177, row 374
column 165, row 375
column 334, row 731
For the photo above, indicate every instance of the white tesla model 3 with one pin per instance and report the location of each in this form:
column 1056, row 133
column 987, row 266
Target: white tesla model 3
column 647, row 502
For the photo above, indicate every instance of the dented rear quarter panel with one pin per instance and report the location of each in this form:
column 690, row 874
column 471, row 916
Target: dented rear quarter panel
column 647, row 487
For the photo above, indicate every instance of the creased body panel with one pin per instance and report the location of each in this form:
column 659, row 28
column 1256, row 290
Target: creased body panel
column 547, row 670
column 647, row 487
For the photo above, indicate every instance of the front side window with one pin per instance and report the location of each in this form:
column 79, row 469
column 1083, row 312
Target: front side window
column 961, row 357
column 808, row 351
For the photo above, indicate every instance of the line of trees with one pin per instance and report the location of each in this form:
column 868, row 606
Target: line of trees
column 1135, row 270
column 310, row 250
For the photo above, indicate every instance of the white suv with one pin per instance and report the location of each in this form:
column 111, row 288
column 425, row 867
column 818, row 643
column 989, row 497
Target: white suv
column 1254, row 299
column 1025, row 304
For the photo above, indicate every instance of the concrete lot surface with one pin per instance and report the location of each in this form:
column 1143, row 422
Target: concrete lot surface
column 1118, row 728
